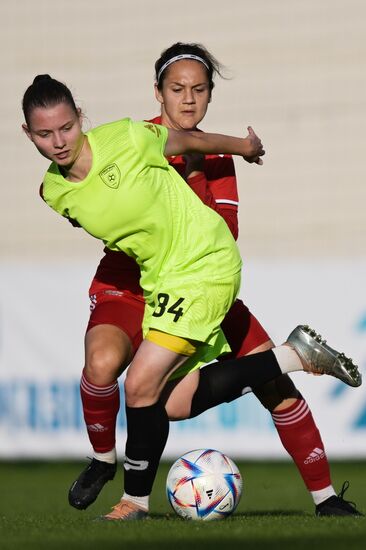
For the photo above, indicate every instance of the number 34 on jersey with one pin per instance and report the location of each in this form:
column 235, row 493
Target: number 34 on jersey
column 165, row 306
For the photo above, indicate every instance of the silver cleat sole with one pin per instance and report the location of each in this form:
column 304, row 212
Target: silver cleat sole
column 320, row 358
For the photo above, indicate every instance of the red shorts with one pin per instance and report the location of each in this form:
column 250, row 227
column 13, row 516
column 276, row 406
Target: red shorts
column 125, row 310
column 243, row 331
column 121, row 309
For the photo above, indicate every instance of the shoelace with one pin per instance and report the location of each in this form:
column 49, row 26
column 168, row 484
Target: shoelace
column 344, row 488
column 120, row 508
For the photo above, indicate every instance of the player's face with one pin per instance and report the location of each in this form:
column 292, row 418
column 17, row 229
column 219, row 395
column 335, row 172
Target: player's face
column 56, row 132
column 185, row 95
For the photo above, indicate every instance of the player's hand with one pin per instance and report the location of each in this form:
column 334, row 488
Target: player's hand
column 255, row 147
column 194, row 164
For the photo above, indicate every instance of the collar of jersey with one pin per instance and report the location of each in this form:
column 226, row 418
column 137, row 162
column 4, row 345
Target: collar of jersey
column 85, row 181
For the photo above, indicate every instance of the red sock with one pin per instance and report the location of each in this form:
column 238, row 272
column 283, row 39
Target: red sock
column 100, row 406
column 301, row 439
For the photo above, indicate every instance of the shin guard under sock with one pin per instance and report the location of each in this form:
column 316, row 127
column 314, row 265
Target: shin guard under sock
column 147, row 433
column 301, row 438
column 100, row 407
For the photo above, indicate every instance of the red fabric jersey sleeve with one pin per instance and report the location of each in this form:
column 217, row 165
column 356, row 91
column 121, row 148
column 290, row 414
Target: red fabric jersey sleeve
column 221, row 203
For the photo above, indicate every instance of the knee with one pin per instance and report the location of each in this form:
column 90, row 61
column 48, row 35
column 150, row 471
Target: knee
column 276, row 392
column 103, row 366
column 178, row 395
column 140, row 391
column 178, row 411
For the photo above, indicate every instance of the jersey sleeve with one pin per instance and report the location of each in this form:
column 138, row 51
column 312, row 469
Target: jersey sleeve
column 217, row 187
column 149, row 140
column 223, row 184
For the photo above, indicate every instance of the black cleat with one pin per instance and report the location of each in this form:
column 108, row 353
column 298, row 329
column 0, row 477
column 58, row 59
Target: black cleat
column 337, row 506
column 90, row 482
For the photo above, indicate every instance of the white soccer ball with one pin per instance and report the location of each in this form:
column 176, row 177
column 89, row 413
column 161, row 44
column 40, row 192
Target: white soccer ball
column 204, row 485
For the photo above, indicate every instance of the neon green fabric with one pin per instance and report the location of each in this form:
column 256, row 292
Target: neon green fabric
column 135, row 202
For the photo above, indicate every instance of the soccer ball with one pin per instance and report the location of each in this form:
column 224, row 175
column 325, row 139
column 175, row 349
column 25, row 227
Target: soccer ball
column 204, row 485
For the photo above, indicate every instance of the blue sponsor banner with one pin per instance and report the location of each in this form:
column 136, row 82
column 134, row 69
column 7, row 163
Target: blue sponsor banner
column 41, row 357
column 48, row 417
column 53, row 406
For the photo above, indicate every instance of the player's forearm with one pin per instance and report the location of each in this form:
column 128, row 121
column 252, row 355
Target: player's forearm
column 180, row 143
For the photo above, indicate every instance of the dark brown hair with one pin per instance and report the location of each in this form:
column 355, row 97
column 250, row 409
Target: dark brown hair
column 45, row 91
column 181, row 48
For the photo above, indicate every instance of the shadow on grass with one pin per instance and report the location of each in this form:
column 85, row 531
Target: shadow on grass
column 271, row 513
column 239, row 516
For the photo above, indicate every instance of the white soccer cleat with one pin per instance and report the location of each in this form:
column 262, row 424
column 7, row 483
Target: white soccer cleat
column 319, row 358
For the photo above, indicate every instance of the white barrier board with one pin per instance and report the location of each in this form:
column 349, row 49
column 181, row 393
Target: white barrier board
column 43, row 314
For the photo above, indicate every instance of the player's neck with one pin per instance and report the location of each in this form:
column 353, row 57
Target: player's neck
column 82, row 164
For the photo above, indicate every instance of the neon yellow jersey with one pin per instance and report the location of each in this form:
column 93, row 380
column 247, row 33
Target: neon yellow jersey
column 135, row 202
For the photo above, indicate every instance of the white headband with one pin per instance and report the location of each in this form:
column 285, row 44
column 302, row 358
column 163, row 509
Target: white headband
column 178, row 58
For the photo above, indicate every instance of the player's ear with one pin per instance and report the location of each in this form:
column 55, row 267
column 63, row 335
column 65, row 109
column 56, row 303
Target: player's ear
column 158, row 94
column 27, row 131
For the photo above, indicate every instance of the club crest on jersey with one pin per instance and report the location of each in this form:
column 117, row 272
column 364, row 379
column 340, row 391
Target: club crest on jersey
column 111, row 176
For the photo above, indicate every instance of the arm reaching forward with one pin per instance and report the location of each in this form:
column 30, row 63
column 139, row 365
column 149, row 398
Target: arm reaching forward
column 183, row 142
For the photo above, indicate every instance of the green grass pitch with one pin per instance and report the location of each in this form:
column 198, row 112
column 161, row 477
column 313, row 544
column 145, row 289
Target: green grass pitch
column 275, row 512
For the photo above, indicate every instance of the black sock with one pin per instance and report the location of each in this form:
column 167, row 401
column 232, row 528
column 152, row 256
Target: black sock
column 225, row 381
column 147, row 433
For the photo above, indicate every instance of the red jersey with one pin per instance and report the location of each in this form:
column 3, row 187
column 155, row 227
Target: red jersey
column 216, row 187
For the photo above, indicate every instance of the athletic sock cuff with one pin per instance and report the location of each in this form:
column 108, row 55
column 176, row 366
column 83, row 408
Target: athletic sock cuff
column 97, row 391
